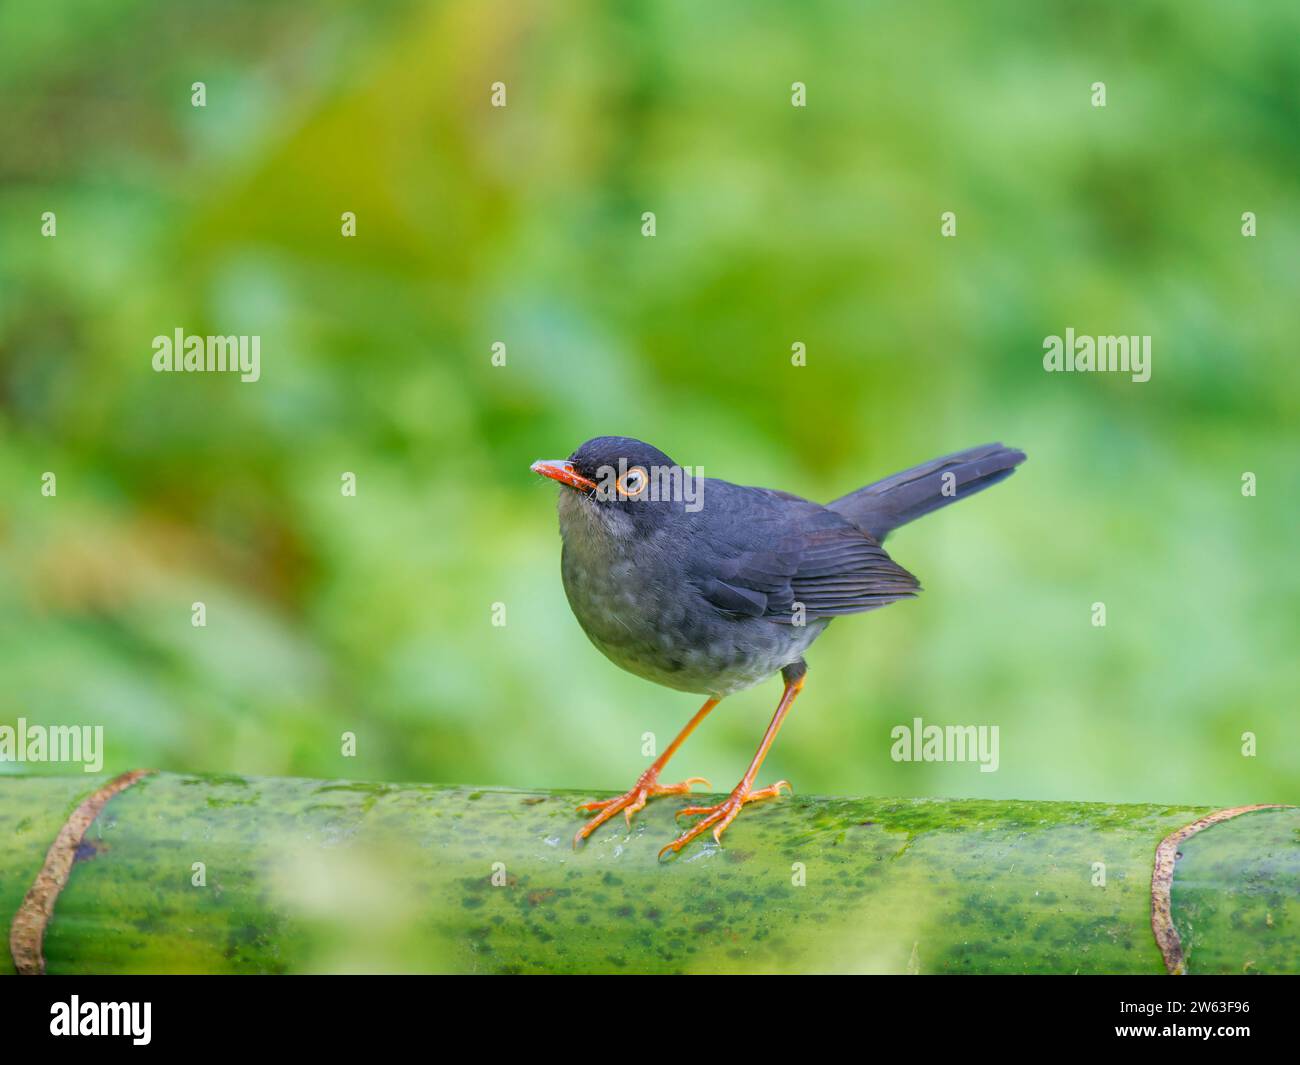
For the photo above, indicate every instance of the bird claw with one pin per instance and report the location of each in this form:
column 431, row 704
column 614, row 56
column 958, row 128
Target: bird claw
column 632, row 801
column 720, row 816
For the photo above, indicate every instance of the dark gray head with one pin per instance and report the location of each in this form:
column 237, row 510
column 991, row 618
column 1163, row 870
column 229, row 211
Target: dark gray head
column 617, row 484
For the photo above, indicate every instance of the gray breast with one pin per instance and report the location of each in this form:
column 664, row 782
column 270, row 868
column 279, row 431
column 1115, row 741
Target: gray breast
column 635, row 607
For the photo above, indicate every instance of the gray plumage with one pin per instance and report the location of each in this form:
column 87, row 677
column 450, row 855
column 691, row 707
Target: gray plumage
column 882, row 507
column 715, row 600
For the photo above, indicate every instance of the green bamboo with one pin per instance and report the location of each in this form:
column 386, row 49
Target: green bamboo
column 327, row 876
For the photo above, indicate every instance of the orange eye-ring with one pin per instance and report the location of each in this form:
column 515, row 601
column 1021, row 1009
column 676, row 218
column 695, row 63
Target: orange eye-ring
column 633, row 483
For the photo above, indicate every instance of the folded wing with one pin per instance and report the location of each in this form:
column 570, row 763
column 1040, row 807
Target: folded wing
column 788, row 551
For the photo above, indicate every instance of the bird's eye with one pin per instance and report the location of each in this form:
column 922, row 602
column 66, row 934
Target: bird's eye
column 633, row 483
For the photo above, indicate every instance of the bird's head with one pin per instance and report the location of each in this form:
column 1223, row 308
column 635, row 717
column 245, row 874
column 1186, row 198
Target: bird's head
column 626, row 486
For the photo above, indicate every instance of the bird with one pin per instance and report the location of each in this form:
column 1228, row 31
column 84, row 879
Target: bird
column 709, row 587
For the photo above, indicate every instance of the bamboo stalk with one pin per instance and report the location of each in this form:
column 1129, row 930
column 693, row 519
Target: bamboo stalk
column 180, row 874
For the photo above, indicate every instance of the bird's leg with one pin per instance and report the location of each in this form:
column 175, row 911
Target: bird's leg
column 720, row 816
column 647, row 785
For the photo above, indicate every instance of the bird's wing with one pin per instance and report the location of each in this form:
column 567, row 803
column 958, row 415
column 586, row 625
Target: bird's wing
column 786, row 551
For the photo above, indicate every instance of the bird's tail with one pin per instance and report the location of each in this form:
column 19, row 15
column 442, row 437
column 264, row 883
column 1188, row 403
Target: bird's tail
column 882, row 507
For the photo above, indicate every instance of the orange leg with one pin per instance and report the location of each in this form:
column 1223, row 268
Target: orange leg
column 720, row 816
column 647, row 785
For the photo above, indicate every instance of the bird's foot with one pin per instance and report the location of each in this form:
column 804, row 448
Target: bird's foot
column 646, row 787
column 720, row 816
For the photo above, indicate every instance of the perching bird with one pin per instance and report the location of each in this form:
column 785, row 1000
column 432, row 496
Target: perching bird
column 711, row 587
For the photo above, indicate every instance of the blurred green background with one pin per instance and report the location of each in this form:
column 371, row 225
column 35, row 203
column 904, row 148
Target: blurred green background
column 373, row 614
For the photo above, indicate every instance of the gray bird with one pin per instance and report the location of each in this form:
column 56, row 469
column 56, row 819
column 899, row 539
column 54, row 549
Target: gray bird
column 710, row 587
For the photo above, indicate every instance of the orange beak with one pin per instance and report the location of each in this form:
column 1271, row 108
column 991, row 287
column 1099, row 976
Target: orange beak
column 562, row 470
